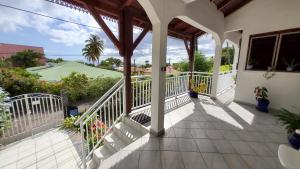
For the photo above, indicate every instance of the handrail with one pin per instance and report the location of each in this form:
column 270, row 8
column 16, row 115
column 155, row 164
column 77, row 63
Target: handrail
column 100, row 100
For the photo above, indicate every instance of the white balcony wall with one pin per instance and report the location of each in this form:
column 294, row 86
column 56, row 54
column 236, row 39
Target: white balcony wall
column 261, row 16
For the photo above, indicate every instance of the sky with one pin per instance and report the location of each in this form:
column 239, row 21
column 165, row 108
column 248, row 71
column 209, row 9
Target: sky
column 66, row 40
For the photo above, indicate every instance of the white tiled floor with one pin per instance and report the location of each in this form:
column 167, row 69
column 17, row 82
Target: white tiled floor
column 207, row 134
column 203, row 134
column 48, row 150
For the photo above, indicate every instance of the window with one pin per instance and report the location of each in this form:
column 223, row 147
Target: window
column 279, row 50
column 289, row 52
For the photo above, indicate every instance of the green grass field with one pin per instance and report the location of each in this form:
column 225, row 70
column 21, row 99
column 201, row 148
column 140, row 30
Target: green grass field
column 64, row 69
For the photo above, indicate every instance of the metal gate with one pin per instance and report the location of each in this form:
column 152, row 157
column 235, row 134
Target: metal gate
column 30, row 114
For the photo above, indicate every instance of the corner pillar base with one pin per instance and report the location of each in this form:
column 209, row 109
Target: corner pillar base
column 157, row 134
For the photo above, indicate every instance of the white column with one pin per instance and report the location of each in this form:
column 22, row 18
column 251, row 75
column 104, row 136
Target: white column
column 159, row 44
column 216, row 70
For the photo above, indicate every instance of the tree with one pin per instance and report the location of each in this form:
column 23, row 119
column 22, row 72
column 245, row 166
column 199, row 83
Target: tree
column 93, row 48
column 202, row 63
column 26, row 58
column 76, row 85
column 147, row 64
column 109, row 63
column 227, row 56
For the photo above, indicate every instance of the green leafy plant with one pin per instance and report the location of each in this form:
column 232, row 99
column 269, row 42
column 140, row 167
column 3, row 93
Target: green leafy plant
column 26, row 58
column 69, row 123
column 290, row 121
column 261, row 93
column 4, row 117
column 198, row 89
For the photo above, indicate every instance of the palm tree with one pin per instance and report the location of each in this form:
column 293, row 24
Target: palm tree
column 93, row 48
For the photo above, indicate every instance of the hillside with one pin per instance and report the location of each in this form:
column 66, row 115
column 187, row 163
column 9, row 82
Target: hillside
column 57, row 72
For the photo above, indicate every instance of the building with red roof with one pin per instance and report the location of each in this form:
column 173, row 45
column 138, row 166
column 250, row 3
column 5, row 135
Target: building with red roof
column 7, row 50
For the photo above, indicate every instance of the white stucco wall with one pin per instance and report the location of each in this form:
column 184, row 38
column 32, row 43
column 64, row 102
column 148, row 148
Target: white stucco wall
column 261, row 16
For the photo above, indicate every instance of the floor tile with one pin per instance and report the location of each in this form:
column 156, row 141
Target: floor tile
column 171, row 160
column 198, row 133
column 235, row 161
column 168, row 144
column 223, row 146
column 205, row 146
column 214, row 161
column 150, row 143
column 260, row 149
column 187, row 145
column 242, row 147
column 150, row 160
column 193, row 160
column 214, row 134
column 183, row 133
column 131, row 160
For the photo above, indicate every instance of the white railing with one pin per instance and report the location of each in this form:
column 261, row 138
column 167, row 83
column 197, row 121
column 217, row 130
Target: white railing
column 226, row 81
column 175, row 85
column 31, row 113
column 99, row 119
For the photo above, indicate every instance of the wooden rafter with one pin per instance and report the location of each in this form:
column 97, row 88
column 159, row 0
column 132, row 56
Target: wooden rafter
column 103, row 25
column 127, row 3
column 141, row 36
column 187, row 47
column 223, row 4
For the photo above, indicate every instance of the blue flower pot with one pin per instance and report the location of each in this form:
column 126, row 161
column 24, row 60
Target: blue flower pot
column 263, row 105
column 193, row 94
column 294, row 140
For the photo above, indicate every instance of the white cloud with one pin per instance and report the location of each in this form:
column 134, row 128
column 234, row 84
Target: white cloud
column 70, row 34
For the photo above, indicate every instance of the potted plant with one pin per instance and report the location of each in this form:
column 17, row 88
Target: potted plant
column 291, row 122
column 261, row 95
column 291, row 65
column 195, row 90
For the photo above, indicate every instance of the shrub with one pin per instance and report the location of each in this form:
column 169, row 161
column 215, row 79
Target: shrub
column 68, row 123
column 26, row 58
column 76, row 86
column 99, row 86
column 4, row 117
column 18, row 81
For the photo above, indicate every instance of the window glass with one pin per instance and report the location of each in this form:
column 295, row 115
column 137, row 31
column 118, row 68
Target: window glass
column 261, row 52
column 289, row 52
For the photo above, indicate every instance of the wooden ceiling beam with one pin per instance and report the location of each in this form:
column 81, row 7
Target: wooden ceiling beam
column 127, row 3
column 241, row 4
column 223, row 4
column 141, row 36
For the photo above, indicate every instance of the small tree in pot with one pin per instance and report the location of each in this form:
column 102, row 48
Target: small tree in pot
column 195, row 90
column 261, row 95
column 291, row 122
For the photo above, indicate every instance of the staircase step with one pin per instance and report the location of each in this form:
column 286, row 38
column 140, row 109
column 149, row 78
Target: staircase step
column 126, row 132
column 101, row 154
column 135, row 125
column 113, row 142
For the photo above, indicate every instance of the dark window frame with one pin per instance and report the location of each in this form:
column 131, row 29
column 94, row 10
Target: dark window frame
column 275, row 56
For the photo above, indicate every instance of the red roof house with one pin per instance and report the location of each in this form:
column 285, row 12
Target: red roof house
column 7, row 50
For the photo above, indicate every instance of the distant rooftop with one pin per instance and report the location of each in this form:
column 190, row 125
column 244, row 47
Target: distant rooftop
column 6, row 50
column 58, row 71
